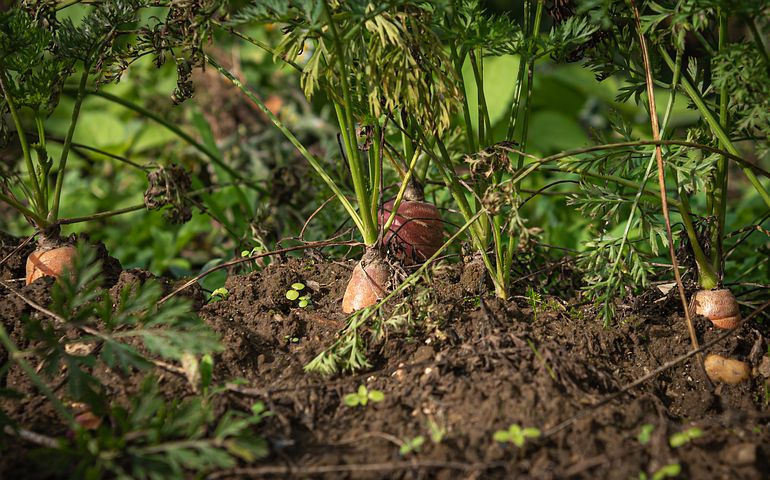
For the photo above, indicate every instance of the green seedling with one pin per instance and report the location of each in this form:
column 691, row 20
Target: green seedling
column 668, row 471
column 363, row 396
column 411, row 445
column 294, row 295
column 645, row 433
column 437, row 431
column 516, row 435
column 220, row 293
column 290, row 339
column 683, row 438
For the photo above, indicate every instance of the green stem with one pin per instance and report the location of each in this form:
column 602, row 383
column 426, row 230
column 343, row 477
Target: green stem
column 752, row 23
column 717, row 129
column 39, row 221
column 719, row 193
column 707, row 276
column 469, row 136
column 483, row 112
column 37, row 201
column 376, row 168
column 171, row 127
column 42, row 156
column 53, row 214
column 317, row 166
column 369, row 225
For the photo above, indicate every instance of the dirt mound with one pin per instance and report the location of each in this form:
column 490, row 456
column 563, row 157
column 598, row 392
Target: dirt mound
column 471, row 367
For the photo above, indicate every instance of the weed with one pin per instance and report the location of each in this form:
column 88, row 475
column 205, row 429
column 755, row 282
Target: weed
column 516, row 435
column 363, row 396
column 667, row 471
column 411, row 445
column 645, row 433
column 683, row 438
column 437, row 431
column 220, row 293
column 293, row 294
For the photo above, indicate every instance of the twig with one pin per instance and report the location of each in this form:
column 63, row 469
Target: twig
column 316, row 212
column 18, row 249
column 662, row 186
column 254, row 257
column 32, row 437
column 289, row 471
column 681, row 358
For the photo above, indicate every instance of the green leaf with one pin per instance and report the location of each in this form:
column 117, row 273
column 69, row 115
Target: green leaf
column 645, row 433
column 298, row 286
column 501, row 436
column 669, row 471
column 292, row 295
column 376, row 396
column 351, row 400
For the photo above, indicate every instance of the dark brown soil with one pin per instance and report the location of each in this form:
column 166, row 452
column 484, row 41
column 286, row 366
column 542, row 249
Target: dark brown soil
column 470, row 367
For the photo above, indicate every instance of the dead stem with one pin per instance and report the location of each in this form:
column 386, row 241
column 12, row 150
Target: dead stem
column 18, row 249
column 32, row 437
column 662, row 186
column 294, row 472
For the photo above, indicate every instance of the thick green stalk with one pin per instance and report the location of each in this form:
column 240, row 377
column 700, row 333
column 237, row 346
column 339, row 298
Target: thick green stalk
column 375, row 169
column 37, row 201
column 530, row 78
column 469, row 135
column 290, row 136
column 53, row 214
column 37, row 219
column 347, row 126
column 485, row 126
column 719, row 193
column 707, row 276
column 42, row 155
column 717, row 129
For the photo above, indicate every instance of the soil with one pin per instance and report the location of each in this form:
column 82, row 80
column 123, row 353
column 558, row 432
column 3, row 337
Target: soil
column 470, row 367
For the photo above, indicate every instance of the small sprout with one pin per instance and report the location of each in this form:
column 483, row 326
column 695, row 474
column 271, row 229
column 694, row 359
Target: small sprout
column 667, row 471
column 290, row 339
column 220, row 293
column 294, row 295
column 437, row 432
column 411, row 445
column 683, row 438
column 645, row 433
column 516, row 435
column 363, row 396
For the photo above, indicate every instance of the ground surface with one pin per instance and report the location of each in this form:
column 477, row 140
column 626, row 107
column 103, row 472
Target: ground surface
column 472, row 368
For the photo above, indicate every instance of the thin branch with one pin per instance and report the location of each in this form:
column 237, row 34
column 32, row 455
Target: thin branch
column 662, row 182
column 681, row 358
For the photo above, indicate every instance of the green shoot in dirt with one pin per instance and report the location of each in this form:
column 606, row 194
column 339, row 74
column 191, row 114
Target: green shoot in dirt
column 411, row 445
column 293, row 294
column 220, row 293
column 516, row 435
column 672, row 470
column 683, row 438
column 645, row 433
column 363, row 396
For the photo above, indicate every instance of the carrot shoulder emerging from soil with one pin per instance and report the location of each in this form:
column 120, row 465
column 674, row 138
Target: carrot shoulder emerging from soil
column 49, row 262
column 367, row 283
